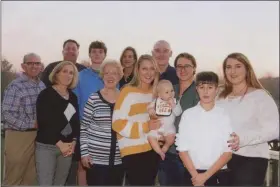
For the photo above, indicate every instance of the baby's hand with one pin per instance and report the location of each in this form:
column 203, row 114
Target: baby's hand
column 152, row 113
column 171, row 102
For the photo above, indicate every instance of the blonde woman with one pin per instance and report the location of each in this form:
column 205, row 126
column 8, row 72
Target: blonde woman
column 130, row 121
column 58, row 126
column 99, row 148
column 255, row 121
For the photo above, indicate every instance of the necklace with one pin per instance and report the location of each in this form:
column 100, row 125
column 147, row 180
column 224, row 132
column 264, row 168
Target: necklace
column 111, row 97
column 65, row 95
column 237, row 93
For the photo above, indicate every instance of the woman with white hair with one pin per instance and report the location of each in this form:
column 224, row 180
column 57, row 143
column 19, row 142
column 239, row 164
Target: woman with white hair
column 99, row 147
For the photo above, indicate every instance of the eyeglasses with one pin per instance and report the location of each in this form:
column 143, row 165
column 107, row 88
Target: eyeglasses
column 185, row 67
column 32, row 63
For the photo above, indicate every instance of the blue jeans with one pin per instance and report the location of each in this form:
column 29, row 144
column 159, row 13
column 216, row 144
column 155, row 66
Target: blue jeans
column 171, row 171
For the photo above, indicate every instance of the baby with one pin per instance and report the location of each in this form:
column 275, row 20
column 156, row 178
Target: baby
column 164, row 106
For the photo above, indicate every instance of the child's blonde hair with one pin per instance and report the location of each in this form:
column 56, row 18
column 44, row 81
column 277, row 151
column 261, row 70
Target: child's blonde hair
column 160, row 85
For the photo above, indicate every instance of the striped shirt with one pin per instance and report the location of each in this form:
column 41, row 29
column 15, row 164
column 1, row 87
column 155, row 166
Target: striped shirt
column 130, row 120
column 19, row 104
column 97, row 138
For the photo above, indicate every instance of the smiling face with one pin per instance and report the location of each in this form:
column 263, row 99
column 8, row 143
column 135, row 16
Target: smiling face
column 32, row 66
column 235, row 71
column 207, row 92
column 162, row 53
column 70, row 52
column 147, row 72
column 65, row 75
column 185, row 69
column 128, row 59
column 111, row 76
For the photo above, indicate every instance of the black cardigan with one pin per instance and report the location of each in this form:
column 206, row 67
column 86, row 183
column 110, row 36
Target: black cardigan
column 51, row 117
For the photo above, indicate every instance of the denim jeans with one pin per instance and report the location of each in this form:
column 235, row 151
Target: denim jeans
column 171, row 171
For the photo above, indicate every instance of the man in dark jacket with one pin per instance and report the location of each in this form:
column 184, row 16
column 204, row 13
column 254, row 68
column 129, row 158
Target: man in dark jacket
column 70, row 53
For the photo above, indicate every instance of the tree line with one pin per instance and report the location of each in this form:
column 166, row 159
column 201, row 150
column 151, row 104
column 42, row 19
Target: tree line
column 8, row 74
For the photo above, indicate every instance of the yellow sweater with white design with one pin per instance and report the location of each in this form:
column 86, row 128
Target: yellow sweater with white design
column 130, row 120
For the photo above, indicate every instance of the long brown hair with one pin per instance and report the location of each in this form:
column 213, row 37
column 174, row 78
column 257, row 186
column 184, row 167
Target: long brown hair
column 136, row 79
column 129, row 48
column 251, row 78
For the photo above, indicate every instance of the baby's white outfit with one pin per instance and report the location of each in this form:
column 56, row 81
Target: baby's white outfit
column 167, row 122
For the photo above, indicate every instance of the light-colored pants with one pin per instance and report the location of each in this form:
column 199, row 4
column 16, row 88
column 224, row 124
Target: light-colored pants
column 52, row 168
column 19, row 160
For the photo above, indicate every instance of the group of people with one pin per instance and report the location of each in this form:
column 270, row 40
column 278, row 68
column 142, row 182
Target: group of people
column 136, row 119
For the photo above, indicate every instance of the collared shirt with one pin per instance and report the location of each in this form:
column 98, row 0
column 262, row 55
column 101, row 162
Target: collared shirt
column 19, row 104
column 188, row 99
column 170, row 74
column 204, row 135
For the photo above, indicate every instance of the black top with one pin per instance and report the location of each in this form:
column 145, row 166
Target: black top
column 58, row 118
column 50, row 67
column 170, row 74
column 124, row 81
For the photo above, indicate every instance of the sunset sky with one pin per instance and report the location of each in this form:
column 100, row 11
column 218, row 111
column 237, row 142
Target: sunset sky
column 208, row 30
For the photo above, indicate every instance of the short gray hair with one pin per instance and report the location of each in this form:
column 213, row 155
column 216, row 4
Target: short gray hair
column 28, row 55
column 162, row 41
column 115, row 63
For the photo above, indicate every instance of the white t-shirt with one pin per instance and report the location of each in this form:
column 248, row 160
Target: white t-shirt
column 204, row 134
column 255, row 119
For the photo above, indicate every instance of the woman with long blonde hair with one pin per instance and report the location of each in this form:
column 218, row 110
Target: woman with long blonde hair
column 130, row 121
column 254, row 118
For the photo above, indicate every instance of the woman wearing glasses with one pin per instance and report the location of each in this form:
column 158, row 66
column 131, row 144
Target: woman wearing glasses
column 185, row 93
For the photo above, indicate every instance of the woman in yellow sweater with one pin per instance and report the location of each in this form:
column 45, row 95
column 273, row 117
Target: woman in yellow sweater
column 130, row 121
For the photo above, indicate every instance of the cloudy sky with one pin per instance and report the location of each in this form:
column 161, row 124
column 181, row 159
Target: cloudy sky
column 208, row 30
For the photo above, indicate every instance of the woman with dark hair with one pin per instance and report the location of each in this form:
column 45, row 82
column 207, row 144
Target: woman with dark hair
column 127, row 59
column 255, row 121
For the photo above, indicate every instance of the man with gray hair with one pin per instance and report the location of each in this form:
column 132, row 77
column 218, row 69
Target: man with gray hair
column 19, row 116
column 162, row 53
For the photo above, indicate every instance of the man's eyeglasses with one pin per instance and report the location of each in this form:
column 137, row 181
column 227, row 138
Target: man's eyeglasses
column 32, row 63
column 185, row 67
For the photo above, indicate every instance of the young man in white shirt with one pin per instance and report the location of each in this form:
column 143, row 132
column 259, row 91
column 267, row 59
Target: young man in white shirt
column 203, row 134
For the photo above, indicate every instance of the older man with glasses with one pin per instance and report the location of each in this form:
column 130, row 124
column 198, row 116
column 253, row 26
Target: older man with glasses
column 19, row 116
